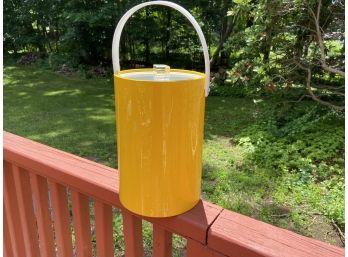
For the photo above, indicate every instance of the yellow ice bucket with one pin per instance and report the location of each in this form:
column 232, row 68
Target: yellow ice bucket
column 160, row 123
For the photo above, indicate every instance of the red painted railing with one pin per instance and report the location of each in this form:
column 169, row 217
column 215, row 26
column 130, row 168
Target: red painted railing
column 38, row 216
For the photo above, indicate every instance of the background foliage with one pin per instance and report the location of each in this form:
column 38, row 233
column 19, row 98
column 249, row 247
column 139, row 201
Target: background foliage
column 256, row 47
column 274, row 132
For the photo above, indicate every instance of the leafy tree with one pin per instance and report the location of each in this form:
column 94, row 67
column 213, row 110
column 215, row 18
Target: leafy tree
column 283, row 47
column 267, row 46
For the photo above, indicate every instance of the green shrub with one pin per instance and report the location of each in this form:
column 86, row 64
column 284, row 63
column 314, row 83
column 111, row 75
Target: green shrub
column 227, row 89
column 306, row 145
column 56, row 60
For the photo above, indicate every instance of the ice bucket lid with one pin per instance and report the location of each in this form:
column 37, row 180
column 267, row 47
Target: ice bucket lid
column 152, row 76
column 160, row 73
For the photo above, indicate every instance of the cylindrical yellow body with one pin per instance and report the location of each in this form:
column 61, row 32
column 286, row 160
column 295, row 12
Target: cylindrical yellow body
column 159, row 138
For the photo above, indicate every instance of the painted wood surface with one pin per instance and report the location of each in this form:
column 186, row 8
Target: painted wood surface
column 162, row 242
column 11, row 211
column 210, row 230
column 61, row 218
column 104, row 233
column 26, row 211
column 133, row 235
column 99, row 182
column 195, row 248
column 82, row 226
column 236, row 235
column 39, row 188
column 8, row 251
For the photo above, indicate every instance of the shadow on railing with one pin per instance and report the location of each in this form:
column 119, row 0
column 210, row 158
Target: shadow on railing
column 38, row 180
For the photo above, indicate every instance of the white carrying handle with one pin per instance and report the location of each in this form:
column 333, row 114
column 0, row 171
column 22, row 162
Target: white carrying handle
column 129, row 13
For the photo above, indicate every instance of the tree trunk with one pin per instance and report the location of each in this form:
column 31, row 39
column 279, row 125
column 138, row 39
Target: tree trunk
column 167, row 38
column 47, row 38
column 56, row 35
column 147, row 41
column 14, row 49
column 267, row 42
column 226, row 30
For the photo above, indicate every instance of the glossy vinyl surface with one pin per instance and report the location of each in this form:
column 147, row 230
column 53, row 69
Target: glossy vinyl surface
column 159, row 137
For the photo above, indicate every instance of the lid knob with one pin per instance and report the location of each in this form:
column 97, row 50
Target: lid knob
column 161, row 71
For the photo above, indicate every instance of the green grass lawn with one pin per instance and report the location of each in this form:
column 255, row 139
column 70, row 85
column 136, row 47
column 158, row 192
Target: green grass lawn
column 77, row 115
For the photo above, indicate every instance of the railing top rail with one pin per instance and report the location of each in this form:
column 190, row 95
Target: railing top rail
column 224, row 231
column 250, row 237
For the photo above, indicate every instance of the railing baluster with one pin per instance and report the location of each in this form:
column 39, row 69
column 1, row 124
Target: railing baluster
column 40, row 191
column 7, row 241
column 162, row 242
column 80, row 208
column 132, row 233
column 61, row 219
column 104, row 232
column 26, row 211
column 12, row 212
